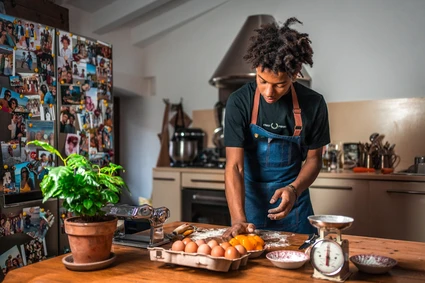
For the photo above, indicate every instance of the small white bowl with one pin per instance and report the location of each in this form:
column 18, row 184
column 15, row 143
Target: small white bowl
column 373, row 264
column 288, row 259
column 255, row 253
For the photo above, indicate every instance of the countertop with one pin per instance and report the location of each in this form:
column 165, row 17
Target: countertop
column 134, row 265
column 345, row 174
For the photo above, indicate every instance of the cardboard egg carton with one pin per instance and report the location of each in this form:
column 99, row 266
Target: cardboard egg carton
column 196, row 260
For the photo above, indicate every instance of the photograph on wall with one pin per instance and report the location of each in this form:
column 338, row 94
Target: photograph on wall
column 102, row 69
column 7, row 61
column 91, row 73
column 103, row 92
column 104, row 50
column 24, row 178
column 7, row 182
column 40, row 130
column 47, row 43
column 72, row 144
column 85, row 120
column 11, row 101
column 79, row 49
column 15, row 81
column 91, row 99
column 65, row 75
column 35, row 250
column 26, row 61
column 68, row 119
column 11, row 154
column 107, row 138
column 84, row 143
column 47, row 112
column 79, row 71
column 10, row 260
column 47, row 95
column 33, row 105
column 27, row 34
column 30, row 83
column 65, row 57
column 17, row 127
column 45, row 64
column 8, row 29
column 92, row 52
column 71, row 94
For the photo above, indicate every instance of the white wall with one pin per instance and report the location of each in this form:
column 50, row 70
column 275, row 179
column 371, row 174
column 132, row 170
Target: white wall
column 364, row 50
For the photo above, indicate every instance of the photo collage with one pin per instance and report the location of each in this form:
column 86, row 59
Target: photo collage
column 34, row 222
column 27, row 100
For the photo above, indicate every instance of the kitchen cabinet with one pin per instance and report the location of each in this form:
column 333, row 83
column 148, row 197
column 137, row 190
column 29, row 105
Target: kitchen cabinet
column 397, row 210
column 167, row 192
column 203, row 181
column 346, row 197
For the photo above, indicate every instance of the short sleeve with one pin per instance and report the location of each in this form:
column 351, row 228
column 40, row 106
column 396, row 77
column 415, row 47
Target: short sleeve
column 235, row 123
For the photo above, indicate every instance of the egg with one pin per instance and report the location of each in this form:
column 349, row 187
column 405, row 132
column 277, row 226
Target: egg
column 186, row 240
column 241, row 249
column 225, row 245
column 200, row 242
column 231, row 253
column 212, row 243
column 178, row 246
column 204, row 249
column 191, row 247
column 217, row 251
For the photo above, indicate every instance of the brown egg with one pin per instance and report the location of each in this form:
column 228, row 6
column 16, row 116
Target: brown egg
column 191, row 247
column 178, row 246
column 204, row 249
column 186, row 240
column 225, row 245
column 200, row 242
column 241, row 249
column 217, row 251
column 212, row 243
column 231, row 253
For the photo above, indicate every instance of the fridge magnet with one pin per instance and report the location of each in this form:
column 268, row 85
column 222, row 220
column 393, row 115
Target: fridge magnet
column 25, row 60
column 15, row 81
column 15, row 102
column 91, row 73
column 79, row 72
column 40, row 130
column 7, row 60
column 79, row 49
column 17, row 127
column 8, row 183
column 68, row 119
column 47, row 112
column 30, row 84
column 25, row 179
column 10, row 260
column 7, row 25
column 72, row 144
column 33, row 105
column 71, row 94
column 91, row 99
column 11, row 154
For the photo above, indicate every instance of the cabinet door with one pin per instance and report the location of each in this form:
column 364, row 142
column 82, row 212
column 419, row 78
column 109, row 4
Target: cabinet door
column 166, row 192
column 345, row 197
column 203, row 181
column 397, row 210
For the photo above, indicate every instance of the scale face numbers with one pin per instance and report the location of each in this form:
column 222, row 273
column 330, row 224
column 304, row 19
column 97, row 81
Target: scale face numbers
column 327, row 257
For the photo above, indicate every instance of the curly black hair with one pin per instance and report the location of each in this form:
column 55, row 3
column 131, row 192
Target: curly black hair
column 280, row 48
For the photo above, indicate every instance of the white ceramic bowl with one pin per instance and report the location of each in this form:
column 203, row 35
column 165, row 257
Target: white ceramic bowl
column 373, row 264
column 288, row 259
column 255, row 253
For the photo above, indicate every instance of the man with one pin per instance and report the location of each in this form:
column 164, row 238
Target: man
column 272, row 125
column 4, row 102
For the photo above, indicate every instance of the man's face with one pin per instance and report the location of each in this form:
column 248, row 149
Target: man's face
column 272, row 86
column 65, row 44
column 7, row 95
column 44, row 158
column 64, row 118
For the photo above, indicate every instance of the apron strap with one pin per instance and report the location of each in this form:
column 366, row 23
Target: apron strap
column 296, row 110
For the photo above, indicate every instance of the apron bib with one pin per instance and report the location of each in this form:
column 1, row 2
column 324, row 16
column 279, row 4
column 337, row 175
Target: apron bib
column 271, row 162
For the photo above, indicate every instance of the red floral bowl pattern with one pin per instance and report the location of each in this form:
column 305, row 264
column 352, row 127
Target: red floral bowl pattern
column 373, row 264
column 288, row 259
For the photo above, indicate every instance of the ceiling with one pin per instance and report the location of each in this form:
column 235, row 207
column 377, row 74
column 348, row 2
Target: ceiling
column 147, row 19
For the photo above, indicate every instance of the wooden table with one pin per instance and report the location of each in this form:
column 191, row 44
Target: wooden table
column 134, row 265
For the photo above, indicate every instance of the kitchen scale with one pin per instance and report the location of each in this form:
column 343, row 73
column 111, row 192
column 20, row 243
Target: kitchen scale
column 329, row 256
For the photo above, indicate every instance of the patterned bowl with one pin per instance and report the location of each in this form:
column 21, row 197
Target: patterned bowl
column 373, row 264
column 288, row 259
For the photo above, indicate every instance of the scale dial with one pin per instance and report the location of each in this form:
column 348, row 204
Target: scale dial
column 327, row 257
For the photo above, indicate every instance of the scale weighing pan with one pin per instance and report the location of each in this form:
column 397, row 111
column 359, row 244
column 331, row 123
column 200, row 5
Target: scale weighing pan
column 330, row 221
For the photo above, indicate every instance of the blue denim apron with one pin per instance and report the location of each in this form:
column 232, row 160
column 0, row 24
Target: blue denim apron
column 271, row 162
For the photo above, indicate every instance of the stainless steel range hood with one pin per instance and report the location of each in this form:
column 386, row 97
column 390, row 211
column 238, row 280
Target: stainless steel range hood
column 233, row 70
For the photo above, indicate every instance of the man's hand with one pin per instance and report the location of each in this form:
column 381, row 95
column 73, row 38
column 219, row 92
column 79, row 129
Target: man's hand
column 238, row 228
column 288, row 200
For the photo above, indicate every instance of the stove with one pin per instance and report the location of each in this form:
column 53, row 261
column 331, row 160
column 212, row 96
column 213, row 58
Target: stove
column 208, row 158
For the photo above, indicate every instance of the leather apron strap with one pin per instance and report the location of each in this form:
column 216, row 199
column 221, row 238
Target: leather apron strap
column 296, row 110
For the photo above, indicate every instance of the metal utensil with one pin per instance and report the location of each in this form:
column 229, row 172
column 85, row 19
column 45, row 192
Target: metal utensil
column 311, row 239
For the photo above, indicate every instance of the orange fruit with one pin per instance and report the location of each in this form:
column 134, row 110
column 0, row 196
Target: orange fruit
column 253, row 241
column 259, row 240
column 247, row 244
column 234, row 242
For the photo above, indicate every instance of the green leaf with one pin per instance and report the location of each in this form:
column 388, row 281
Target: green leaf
column 46, row 146
column 88, row 203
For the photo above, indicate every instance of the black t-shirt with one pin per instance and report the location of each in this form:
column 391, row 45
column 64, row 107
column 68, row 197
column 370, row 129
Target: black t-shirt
column 277, row 117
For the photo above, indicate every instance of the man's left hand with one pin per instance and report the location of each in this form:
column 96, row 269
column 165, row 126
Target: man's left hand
column 288, row 200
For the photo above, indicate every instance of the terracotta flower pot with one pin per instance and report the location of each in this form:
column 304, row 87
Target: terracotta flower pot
column 90, row 242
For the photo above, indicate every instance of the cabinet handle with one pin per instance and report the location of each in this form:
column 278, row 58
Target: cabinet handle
column 406, row 192
column 163, row 179
column 332, row 187
column 208, row 198
column 207, row 181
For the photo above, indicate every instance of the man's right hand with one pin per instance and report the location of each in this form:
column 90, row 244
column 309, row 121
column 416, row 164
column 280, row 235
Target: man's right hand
column 239, row 228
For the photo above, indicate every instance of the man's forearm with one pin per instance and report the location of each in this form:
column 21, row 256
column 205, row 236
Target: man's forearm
column 235, row 193
column 308, row 173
